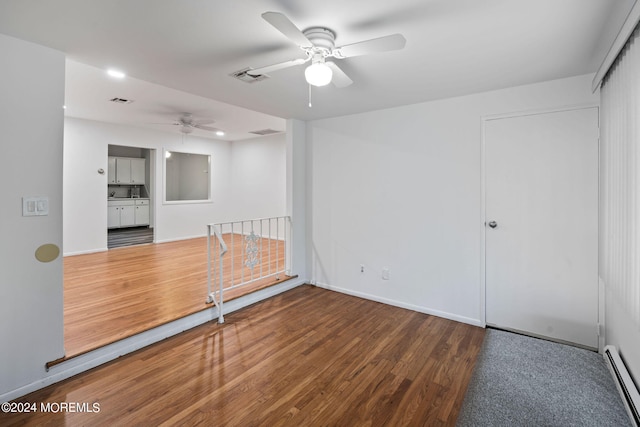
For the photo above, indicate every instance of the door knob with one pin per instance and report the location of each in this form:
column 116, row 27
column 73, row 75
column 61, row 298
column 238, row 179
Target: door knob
column 493, row 224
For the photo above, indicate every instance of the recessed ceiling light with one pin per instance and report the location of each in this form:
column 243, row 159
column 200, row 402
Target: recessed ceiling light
column 116, row 74
column 219, row 133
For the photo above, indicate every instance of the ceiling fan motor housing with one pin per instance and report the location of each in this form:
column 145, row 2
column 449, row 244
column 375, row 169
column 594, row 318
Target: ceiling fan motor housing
column 323, row 40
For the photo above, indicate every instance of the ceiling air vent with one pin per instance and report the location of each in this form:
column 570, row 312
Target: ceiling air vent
column 121, row 100
column 265, row 132
column 243, row 75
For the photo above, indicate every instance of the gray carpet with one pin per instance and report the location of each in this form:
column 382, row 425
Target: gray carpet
column 523, row 381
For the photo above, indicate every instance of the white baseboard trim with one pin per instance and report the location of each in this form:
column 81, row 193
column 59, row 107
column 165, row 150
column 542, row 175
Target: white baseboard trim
column 90, row 251
column 177, row 239
column 110, row 352
column 419, row 309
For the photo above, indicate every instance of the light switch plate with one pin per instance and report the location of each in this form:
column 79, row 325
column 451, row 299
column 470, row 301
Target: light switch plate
column 35, row 206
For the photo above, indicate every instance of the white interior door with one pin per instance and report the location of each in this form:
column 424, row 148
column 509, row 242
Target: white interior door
column 541, row 175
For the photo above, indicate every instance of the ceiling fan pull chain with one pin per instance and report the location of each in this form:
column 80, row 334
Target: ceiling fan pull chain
column 309, row 95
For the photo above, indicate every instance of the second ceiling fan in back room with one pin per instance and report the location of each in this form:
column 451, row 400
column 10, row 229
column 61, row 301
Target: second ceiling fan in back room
column 187, row 124
column 318, row 43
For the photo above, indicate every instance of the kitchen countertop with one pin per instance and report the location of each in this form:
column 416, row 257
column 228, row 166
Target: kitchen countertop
column 127, row 198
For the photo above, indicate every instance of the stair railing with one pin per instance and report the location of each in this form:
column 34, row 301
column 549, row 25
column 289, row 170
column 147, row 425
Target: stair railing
column 222, row 249
column 247, row 259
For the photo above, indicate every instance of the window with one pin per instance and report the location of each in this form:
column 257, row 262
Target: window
column 187, row 177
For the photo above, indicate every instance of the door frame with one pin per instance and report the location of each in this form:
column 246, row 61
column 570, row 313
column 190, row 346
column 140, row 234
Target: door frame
column 151, row 186
column 483, row 208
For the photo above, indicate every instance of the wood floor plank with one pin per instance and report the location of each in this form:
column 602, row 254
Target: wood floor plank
column 115, row 294
column 307, row 357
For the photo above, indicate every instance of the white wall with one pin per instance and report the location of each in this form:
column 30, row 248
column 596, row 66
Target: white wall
column 31, row 120
column 258, row 177
column 248, row 181
column 85, row 196
column 401, row 188
column 85, row 191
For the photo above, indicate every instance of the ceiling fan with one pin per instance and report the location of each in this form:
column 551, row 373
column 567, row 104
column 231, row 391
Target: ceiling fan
column 319, row 45
column 188, row 124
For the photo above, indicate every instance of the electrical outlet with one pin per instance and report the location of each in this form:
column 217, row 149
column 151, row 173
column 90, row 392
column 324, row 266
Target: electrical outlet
column 361, row 268
column 385, row 273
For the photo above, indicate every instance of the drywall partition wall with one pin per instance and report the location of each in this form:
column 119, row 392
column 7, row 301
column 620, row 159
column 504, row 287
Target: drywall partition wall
column 85, row 197
column 258, row 177
column 85, row 190
column 398, row 192
column 31, row 324
column 297, row 194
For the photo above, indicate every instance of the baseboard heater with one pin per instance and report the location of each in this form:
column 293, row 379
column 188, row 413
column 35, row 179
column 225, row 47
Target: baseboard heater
column 624, row 382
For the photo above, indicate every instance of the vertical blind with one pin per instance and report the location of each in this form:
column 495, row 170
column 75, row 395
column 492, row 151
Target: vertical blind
column 620, row 178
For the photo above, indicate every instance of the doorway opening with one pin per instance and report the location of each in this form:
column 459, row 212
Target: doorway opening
column 130, row 196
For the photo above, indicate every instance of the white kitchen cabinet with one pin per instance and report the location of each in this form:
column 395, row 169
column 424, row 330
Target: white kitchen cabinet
column 120, row 215
column 127, row 171
column 138, row 171
column 127, row 216
column 142, row 212
column 123, row 170
column 111, row 174
column 113, row 216
column 127, row 213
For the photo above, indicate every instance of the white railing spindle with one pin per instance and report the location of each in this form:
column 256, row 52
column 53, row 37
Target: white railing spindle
column 251, row 254
column 222, row 249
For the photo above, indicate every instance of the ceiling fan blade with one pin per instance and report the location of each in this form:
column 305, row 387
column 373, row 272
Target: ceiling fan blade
column 209, row 128
column 286, row 27
column 275, row 67
column 339, row 79
column 381, row 44
column 203, row 122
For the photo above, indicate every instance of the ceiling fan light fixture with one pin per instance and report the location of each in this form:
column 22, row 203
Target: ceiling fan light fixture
column 318, row 74
column 220, row 133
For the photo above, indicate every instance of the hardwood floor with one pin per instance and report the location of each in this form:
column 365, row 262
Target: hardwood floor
column 115, row 294
column 307, row 357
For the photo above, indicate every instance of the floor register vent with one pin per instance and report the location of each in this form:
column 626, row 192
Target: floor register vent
column 624, row 383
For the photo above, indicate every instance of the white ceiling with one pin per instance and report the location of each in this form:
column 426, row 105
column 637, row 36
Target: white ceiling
column 179, row 54
column 89, row 89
